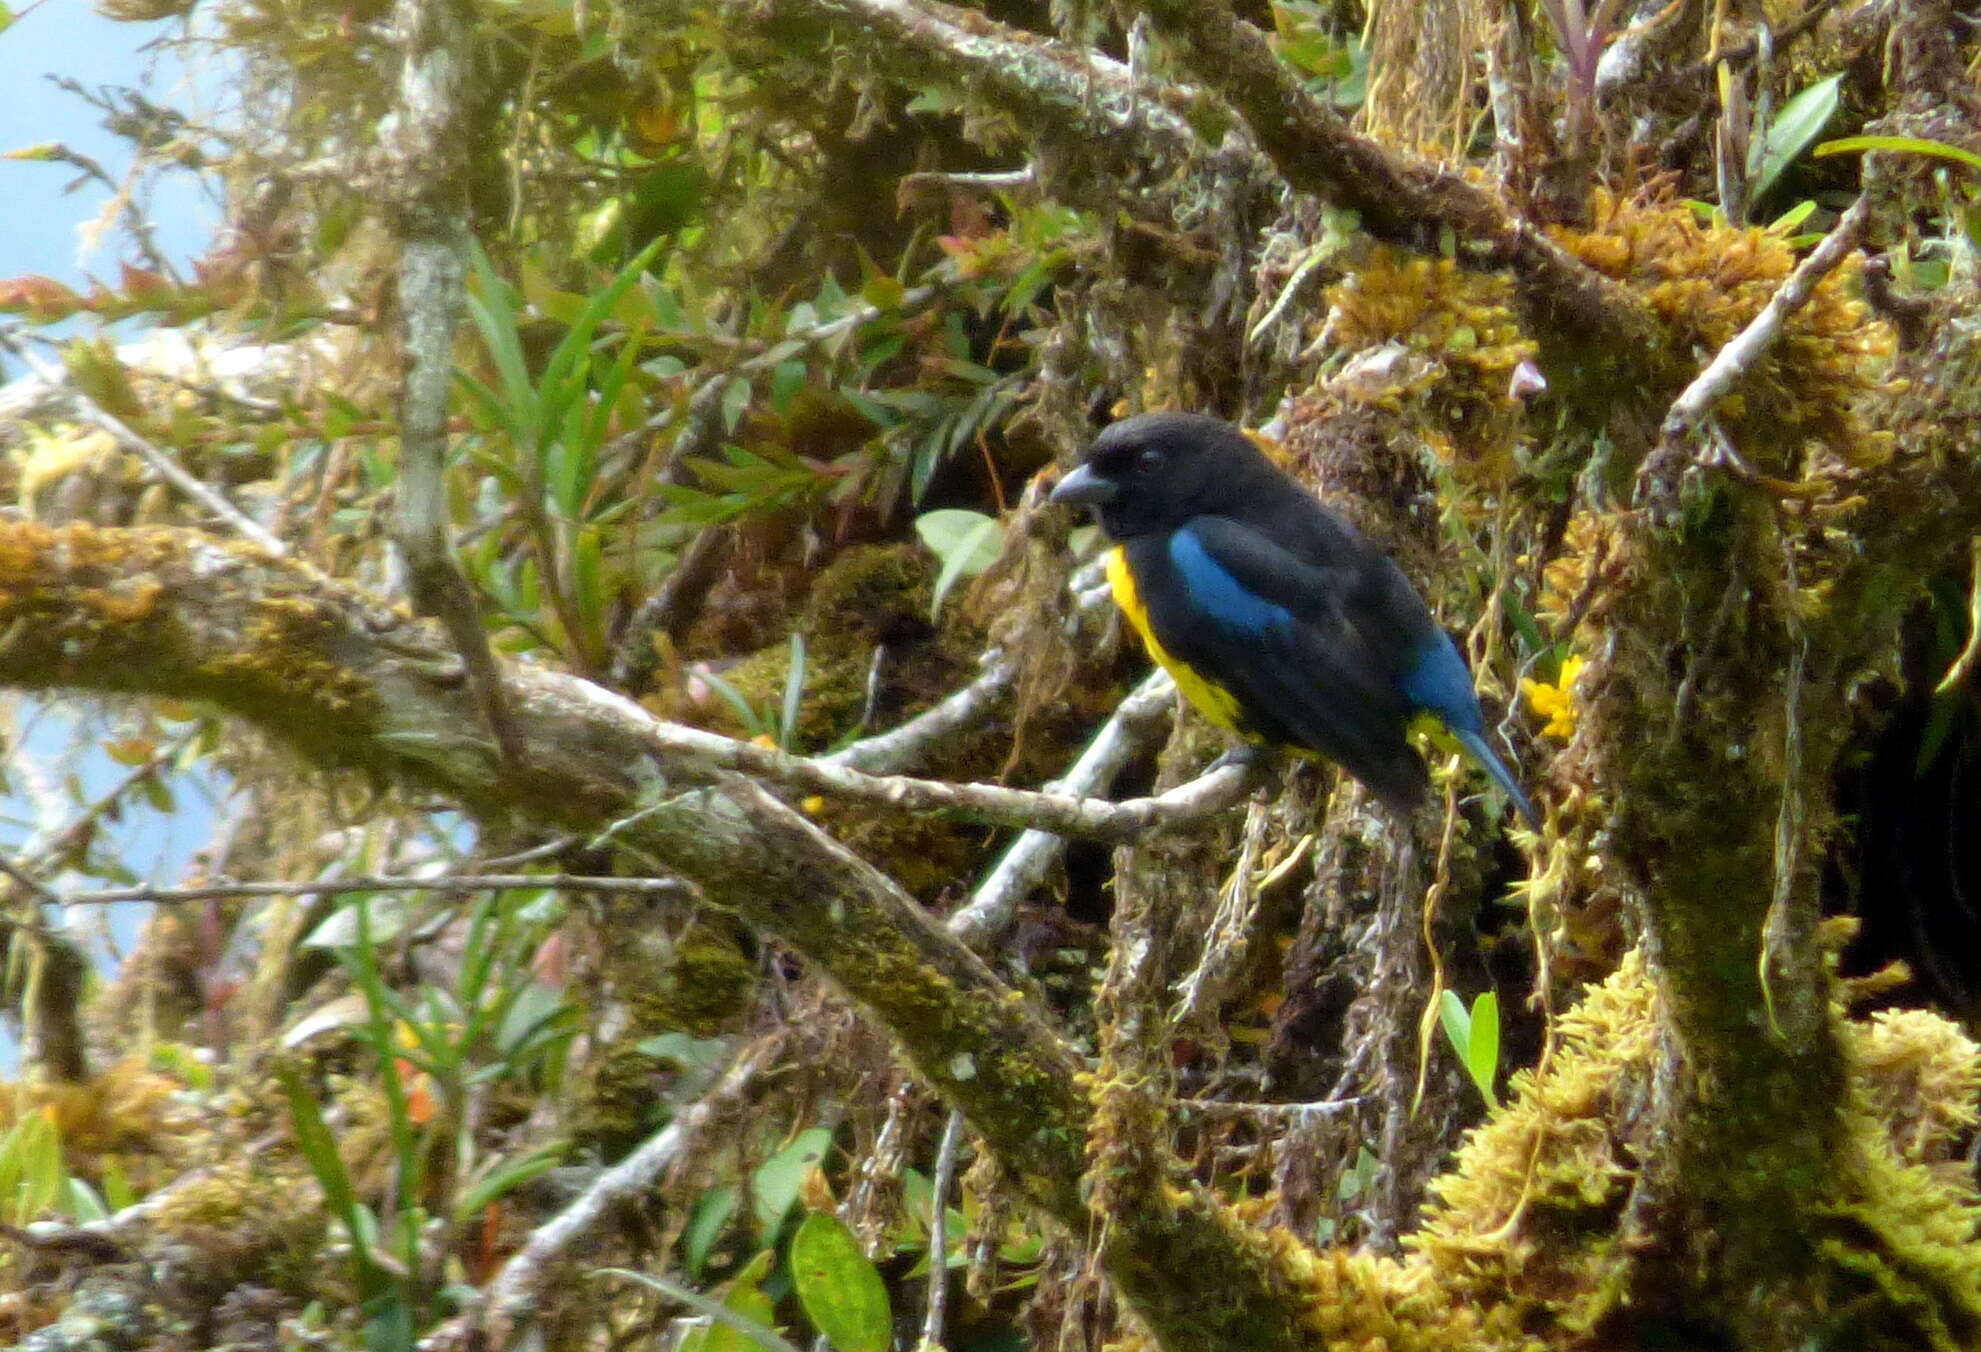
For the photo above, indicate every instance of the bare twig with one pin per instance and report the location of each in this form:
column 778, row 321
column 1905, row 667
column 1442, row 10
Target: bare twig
column 1748, row 346
column 918, row 739
column 456, row 882
column 166, row 467
column 1126, row 733
column 1061, row 813
column 513, row 1293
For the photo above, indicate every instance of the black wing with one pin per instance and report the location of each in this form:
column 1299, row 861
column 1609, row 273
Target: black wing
column 1269, row 627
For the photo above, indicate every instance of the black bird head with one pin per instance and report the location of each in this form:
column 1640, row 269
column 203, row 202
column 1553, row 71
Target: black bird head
column 1155, row 471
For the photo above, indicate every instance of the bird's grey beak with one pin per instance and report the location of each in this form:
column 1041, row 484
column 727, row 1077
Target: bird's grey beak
column 1084, row 488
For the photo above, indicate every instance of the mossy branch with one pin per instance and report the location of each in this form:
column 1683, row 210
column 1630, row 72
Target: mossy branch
column 352, row 682
column 1400, row 200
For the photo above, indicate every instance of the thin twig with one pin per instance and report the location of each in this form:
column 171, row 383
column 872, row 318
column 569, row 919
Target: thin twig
column 167, row 468
column 700, row 753
column 916, row 740
column 513, row 1293
column 1125, row 735
column 1748, row 346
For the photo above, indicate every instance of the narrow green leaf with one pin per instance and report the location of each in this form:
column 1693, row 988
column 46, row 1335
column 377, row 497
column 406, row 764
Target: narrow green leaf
column 842, row 1292
column 713, row 1213
column 1910, row 145
column 564, row 374
column 505, row 1176
column 319, row 1150
column 794, row 695
column 728, row 1317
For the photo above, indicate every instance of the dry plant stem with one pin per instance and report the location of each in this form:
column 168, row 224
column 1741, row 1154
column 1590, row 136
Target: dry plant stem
column 429, row 177
column 513, row 1293
column 456, row 882
column 945, row 1174
column 348, row 681
column 160, row 461
column 983, row 921
column 1398, row 200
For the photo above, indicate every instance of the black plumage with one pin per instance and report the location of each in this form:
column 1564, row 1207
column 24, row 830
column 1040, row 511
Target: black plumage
column 1277, row 617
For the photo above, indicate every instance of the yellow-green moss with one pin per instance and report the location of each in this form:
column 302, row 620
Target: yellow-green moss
column 1527, row 1218
column 1703, row 282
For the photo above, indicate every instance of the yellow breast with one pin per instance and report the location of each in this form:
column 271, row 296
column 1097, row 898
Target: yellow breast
column 1212, row 700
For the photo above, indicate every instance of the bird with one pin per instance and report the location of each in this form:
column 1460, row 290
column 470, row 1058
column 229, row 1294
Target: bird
column 1276, row 617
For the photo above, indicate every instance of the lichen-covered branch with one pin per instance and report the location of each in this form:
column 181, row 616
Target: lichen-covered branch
column 349, row 681
column 430, row 164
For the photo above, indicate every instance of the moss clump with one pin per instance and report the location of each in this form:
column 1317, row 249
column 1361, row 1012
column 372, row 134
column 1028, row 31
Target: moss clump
column 1703, row 282
column 1441, row 343
column 1528, row 1217
column 699, row 985
column 247, row 1222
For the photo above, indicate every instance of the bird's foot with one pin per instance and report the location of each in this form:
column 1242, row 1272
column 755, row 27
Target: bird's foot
column 1258, row 762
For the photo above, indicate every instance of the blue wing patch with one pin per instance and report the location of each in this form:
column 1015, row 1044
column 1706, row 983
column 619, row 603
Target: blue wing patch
column 1222, row 596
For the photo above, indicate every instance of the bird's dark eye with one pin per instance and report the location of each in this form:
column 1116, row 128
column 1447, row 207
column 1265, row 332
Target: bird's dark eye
column 1148, row 459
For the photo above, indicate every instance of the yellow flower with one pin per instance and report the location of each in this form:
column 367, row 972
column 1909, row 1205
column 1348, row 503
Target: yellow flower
column 1556, row 702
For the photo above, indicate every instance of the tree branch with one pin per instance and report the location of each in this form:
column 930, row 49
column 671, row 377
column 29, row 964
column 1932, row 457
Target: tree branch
column 171, row 612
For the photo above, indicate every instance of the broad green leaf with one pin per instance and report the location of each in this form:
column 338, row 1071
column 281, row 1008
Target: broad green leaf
column 1457, row 1022
column 841, row 1291
column 967, row 543
column 1799, row 123
column 1482, row 1051
column 1475, row 1036
column 775, row 1186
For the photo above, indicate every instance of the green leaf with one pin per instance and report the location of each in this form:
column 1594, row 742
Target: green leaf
column 967, row 543
column 735, row 398
column 1910, row 145
column 712, row 1216
column 1482, row 1051
column 1456, row 1020
column 775, row 1186
column 794, row 695
column 786, row 379
column 319, row 1150
column 842, row 1292
column 741, row 1322
column 505, row 1176
column 1475, row 1036
column 1795, row 127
